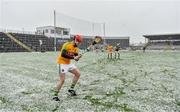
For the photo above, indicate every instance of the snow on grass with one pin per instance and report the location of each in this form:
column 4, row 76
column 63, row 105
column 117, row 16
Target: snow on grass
column 137, row 82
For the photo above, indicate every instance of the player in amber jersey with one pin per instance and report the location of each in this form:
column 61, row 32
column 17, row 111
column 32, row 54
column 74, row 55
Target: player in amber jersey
column 110, row 51
column 68, row 52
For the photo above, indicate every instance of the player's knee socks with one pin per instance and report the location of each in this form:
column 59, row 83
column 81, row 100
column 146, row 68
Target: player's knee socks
column 73, row 85
column 55, row 93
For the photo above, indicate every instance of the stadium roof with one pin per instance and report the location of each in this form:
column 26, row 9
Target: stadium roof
column 162, row 36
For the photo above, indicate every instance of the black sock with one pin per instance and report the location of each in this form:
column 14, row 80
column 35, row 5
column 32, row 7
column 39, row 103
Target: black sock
column 73, row 85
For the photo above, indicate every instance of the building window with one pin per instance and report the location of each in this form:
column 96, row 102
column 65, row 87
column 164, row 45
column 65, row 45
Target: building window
column 58, row 31
column 52, row 31
column 46, row 30
column 65, row 33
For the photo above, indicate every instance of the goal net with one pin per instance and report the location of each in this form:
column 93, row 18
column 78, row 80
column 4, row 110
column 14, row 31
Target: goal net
column 79, row 26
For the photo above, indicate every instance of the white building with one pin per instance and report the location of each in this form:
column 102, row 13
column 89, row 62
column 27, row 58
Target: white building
column 51, row 31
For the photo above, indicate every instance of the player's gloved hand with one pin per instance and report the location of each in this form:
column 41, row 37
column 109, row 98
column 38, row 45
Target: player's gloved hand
column 76, row 58
column 80, row 55
column 88, row 49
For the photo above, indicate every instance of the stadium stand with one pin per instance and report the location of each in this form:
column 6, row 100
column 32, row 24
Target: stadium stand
column 8, row 45
column 20, row 42
column 124, row 41
column 163, row 42
column 33, row 41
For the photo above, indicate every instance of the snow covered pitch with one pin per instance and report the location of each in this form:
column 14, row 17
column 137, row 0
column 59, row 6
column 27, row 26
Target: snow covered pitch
column 138, row 82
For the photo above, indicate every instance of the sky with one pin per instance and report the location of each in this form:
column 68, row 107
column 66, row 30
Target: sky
column 133, row 18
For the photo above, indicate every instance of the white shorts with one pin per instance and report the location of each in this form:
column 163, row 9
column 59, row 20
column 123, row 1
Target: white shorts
column 64, row 68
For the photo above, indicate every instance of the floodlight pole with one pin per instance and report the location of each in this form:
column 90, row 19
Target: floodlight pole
column 104, row 32
column 55, row 31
